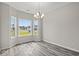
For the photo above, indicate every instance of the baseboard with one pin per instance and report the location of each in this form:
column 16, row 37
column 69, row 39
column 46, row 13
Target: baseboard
column 77, row 51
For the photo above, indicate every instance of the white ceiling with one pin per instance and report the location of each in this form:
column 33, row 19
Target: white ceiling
column 33, row 7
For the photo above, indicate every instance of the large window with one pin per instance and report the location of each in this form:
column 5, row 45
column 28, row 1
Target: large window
column 24, row 27
column 35, row 27
column 13, row 27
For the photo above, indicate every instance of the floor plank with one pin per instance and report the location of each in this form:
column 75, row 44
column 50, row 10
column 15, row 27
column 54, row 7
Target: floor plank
column 38, row 49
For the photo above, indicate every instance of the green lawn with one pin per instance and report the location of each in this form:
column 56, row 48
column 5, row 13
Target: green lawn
column 23, row 33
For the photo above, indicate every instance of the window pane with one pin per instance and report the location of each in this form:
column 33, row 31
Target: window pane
column 13, row 26
column 35, row 27
column 24, row 27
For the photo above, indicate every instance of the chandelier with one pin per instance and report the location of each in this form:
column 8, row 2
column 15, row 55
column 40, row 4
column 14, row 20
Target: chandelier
column 39, row 15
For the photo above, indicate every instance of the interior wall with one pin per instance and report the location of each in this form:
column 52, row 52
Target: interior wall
column 0, row 26
column 61, row 27
column 4, row 21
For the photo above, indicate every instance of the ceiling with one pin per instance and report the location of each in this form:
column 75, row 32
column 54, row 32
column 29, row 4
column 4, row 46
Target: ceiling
column 33, row 7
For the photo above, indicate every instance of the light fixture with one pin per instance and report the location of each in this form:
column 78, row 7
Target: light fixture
column 35, row 16
column 42, row 15
column 39, row 15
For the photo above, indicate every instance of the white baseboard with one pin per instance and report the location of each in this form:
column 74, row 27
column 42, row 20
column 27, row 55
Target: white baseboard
column 69, row 48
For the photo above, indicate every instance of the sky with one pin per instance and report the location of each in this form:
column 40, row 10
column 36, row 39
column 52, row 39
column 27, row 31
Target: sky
column 23, row 22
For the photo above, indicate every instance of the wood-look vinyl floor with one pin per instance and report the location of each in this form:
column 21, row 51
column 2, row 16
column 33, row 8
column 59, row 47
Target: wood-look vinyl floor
column 38, row 49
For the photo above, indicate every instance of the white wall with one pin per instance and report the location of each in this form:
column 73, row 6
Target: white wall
column 61, row 27
column 0, row 26
column 4, row 21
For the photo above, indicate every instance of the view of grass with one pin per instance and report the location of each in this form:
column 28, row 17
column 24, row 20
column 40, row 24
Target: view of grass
column 12, row 33
column 23, row 33
column 24, row 27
